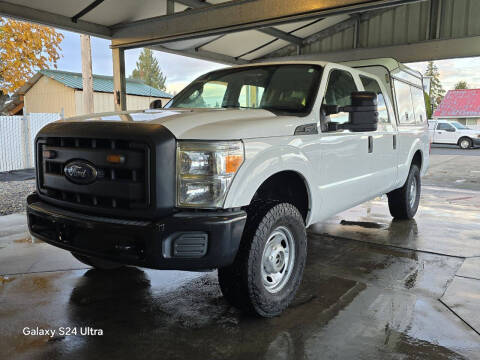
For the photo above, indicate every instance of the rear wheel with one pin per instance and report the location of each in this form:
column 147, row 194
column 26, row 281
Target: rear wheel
column 403, row 202
column 465, row 143
column 96, row 262
column 268, row 268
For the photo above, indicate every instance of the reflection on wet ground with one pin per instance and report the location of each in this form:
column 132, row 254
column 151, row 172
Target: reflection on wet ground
column 372, row 290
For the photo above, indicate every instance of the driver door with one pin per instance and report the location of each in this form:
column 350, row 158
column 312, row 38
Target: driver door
column 344, row 167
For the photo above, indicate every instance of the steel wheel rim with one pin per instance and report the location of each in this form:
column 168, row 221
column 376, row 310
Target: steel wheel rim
column 465, row 144
column 413, row 192
column 278, row 259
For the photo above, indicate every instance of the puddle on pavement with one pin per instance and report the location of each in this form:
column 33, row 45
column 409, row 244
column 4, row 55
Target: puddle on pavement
column 358, row 299
column 365, row 224
column 351, row 305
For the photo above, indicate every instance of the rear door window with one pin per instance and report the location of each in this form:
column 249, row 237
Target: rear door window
column 418, row 99
column 372, row 85
column 406, row 116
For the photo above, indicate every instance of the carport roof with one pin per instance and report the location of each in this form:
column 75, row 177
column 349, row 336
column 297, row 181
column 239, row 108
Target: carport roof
column 237, row 31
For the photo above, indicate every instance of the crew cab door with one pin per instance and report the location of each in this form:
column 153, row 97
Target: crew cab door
column 445, row 133
column 383, row 142
column 344, row 166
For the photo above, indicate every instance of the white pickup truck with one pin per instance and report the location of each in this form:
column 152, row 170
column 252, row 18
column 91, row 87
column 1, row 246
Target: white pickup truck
column 232, row 171
column 453, row 133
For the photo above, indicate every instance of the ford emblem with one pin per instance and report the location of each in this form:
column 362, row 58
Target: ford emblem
column 80, row 172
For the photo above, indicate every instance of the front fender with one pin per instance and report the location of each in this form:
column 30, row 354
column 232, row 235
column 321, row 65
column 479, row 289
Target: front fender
column 262, row 160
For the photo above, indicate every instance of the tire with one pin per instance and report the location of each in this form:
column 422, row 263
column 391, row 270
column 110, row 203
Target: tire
column 401, row 202
column 274, row 238
column 465, row 143
column 97, row 263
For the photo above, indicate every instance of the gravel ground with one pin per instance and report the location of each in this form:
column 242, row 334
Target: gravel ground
column 13, row 195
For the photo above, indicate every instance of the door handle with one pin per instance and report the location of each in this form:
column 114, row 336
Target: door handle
column 370, row 144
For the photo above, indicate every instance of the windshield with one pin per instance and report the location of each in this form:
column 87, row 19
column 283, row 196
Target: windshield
column 279, row 88
column 459, row 126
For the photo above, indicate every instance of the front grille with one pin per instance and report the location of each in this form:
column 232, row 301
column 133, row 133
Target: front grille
column 118, row 186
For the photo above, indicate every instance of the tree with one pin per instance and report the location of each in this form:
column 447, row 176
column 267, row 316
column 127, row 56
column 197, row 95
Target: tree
column 25, row 48
column 461, row 85
column 428, row 105
column 436, row 89
column 148, row 70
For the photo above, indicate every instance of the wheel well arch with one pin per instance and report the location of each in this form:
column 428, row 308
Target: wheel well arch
column 286, row 186
column 417, row 159
column 464, row 137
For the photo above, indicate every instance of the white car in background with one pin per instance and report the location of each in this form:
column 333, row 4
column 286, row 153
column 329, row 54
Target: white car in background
column 453, row 132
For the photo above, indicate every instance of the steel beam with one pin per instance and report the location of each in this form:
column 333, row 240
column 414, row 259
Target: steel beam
column 202, row 55
column 194, row 4
column 354, row 20
column 421, row 51
column 282, row 35
column 119, row 81
column 234, row 16
column 170, row 7
column 46, row 18
column 85, row 11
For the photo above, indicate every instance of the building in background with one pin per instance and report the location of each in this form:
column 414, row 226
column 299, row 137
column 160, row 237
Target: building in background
column 54, row 91
column 460, row 105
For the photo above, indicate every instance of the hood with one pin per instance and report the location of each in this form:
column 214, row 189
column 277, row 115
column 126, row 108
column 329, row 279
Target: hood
column 470, row 132
column 209, row 124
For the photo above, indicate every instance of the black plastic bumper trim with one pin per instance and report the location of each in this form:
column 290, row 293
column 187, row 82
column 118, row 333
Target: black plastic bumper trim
column 139, row 243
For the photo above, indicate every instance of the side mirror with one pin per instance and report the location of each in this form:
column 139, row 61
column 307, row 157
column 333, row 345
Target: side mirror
column 363, row 113
column 330, row 109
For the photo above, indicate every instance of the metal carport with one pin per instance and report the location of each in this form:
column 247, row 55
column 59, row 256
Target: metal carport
column 390, row 288
column 242, row 31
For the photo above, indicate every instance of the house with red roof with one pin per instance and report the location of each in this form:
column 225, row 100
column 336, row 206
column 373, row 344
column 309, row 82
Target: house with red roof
column 460, row 105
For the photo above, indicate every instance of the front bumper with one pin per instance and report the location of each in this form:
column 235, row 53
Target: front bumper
column 182, row 241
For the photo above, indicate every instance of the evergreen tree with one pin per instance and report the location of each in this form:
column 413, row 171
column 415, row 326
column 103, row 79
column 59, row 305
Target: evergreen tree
column 436, row 89
column 428, row 105
column 148, row 70
column 461, row 85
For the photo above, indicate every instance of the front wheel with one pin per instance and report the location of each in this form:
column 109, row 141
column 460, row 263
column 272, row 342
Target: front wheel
column 465, row 143
column 268, row 268
column 403, row 202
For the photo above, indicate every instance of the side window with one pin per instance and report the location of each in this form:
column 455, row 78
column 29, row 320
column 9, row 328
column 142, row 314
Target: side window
column 250, row 96
column 339, row 89
column 445, row 126
column 210, row 95
column 372, row 85
column 418, row 99
column 404, row 103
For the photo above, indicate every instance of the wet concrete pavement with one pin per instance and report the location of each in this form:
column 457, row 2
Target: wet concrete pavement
column 373, row 289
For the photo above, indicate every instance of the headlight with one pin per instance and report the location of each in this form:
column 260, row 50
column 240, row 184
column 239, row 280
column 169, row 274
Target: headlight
column 205, row 171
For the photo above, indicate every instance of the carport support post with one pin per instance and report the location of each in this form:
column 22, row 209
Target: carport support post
column 119, row 83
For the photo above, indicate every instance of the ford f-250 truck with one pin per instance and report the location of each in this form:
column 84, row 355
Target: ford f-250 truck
column 231, row 172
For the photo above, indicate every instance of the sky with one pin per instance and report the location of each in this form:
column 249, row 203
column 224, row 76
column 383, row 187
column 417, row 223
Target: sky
column 181, row 70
